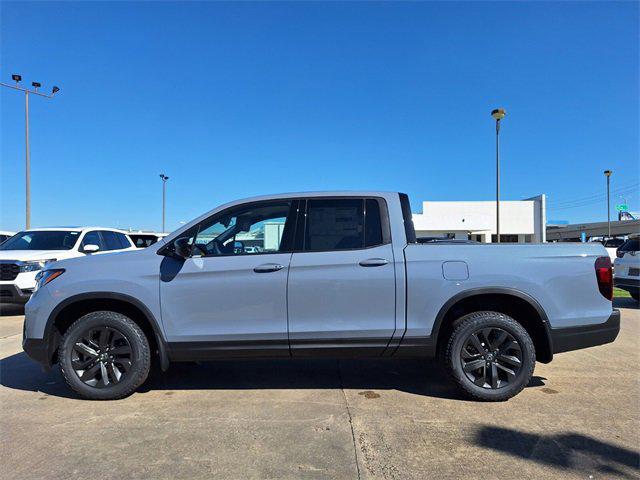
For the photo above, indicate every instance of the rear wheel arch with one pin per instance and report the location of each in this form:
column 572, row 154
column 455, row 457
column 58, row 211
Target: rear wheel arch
column 72, row 308
column 512, row 302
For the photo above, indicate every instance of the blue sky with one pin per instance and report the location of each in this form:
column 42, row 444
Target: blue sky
column 236, row 99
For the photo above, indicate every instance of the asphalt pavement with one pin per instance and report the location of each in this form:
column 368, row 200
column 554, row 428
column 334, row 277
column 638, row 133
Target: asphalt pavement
column 390, row 419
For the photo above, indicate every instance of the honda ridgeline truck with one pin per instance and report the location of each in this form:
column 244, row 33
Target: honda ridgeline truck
column 319, row 275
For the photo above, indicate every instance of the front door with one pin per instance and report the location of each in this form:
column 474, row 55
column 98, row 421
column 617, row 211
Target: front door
column 229, row 297
column 341, row 288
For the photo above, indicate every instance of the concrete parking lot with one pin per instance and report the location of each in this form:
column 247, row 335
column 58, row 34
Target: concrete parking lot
column 578, row 418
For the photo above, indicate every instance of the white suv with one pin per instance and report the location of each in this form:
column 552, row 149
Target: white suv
column 26, row 253
column 627, row 267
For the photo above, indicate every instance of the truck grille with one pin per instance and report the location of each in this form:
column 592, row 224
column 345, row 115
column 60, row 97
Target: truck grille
column 9, row 271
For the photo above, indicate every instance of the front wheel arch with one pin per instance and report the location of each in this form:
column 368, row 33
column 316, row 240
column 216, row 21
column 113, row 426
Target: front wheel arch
column 72, row 308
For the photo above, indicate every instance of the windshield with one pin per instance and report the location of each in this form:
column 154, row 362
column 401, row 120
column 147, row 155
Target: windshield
column 42, row 240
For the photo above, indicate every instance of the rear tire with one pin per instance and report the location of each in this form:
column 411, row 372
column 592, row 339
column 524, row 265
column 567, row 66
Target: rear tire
column 104, row 356
column 490, row 356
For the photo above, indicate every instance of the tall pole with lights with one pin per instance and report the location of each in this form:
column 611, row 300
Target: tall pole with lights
column 164, row 197
column 607, row 173
column 498, row 114
column 36, row 85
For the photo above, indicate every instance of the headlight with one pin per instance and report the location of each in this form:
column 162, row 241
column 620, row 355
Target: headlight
column 35, row 266
column 45, row 276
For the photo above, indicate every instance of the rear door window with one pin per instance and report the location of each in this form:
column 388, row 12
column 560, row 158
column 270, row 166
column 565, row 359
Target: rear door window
column 124, row 241
column 334, row 224
column 111, row 241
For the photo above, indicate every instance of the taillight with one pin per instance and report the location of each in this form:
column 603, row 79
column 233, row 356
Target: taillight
column 604, row 275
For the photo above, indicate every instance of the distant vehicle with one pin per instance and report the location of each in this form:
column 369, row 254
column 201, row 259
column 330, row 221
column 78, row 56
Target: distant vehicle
column 340, row 274
column 627, row 273
column 451, row 241
column 4, row 235
column 627, row 267
column 26, row 253
column 145, row 239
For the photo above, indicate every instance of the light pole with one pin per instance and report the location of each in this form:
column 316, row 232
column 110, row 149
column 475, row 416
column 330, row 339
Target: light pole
column 164, row 197
column 607, row 173
column 498, row 114
column 36, row 85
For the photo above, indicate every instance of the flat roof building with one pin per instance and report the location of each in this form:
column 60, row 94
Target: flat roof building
column 521, row 221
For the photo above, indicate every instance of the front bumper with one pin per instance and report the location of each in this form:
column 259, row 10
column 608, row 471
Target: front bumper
column 11, row 293
column 575, row 338
column 37, row 349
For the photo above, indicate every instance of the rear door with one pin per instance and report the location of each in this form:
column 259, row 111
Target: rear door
column 341, row 289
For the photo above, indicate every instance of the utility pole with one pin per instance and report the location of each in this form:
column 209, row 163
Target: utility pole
column 36, row 85
column 607, row 173
column 164, row 198
column 498, row 114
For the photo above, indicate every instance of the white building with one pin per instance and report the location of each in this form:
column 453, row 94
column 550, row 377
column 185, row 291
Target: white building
column 522, row 221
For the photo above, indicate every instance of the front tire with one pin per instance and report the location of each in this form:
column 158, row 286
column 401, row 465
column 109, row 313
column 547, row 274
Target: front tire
column 104, row 356
column 490, row 356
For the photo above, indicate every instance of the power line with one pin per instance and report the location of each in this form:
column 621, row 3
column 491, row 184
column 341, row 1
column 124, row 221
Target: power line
column 593, row 199
column 599, row 195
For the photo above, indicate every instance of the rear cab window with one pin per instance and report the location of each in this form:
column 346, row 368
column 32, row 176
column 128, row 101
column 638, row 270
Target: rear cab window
column 333, row 224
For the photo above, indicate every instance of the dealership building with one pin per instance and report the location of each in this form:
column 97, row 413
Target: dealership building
column 521, row 221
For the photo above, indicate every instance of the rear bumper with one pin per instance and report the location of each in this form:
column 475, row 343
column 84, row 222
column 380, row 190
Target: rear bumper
column 575, row 338
column 10, row 293
column 628, row 284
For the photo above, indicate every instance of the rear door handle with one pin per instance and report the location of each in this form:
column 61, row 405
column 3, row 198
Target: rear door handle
column 374, row 262
column 268, row 267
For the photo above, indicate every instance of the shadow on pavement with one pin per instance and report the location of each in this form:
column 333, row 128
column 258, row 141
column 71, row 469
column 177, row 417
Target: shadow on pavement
column 565, row 451
column 627, row 302
column 11, row 309
column 419, row 377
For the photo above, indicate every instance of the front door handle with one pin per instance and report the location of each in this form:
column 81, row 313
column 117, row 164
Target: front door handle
column 268, row 267
column 374, row 262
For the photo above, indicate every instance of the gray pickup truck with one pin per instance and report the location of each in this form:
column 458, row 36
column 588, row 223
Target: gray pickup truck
column 336, row 274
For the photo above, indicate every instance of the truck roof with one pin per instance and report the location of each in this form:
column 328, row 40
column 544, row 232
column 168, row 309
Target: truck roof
column 328, row 193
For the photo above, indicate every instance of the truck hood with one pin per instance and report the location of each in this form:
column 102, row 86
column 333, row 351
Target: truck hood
column 27, row 255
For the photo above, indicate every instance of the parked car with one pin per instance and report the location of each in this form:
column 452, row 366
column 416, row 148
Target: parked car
column 338, row 275
column 145, row 239
column 26, row 253
column 4, row 235
column 627, row 268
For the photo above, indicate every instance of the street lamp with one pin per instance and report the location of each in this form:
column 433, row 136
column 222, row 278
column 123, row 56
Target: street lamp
column 18, row 78
column 607, row 173
column 498, row 114
column 164, row 197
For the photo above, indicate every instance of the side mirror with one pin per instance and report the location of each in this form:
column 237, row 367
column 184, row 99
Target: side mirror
column 91, row 248
column 182, row 248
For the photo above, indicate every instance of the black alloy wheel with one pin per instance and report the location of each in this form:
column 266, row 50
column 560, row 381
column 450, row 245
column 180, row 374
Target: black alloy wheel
column 101, row 357
column 104, row 355
column 491, row 358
